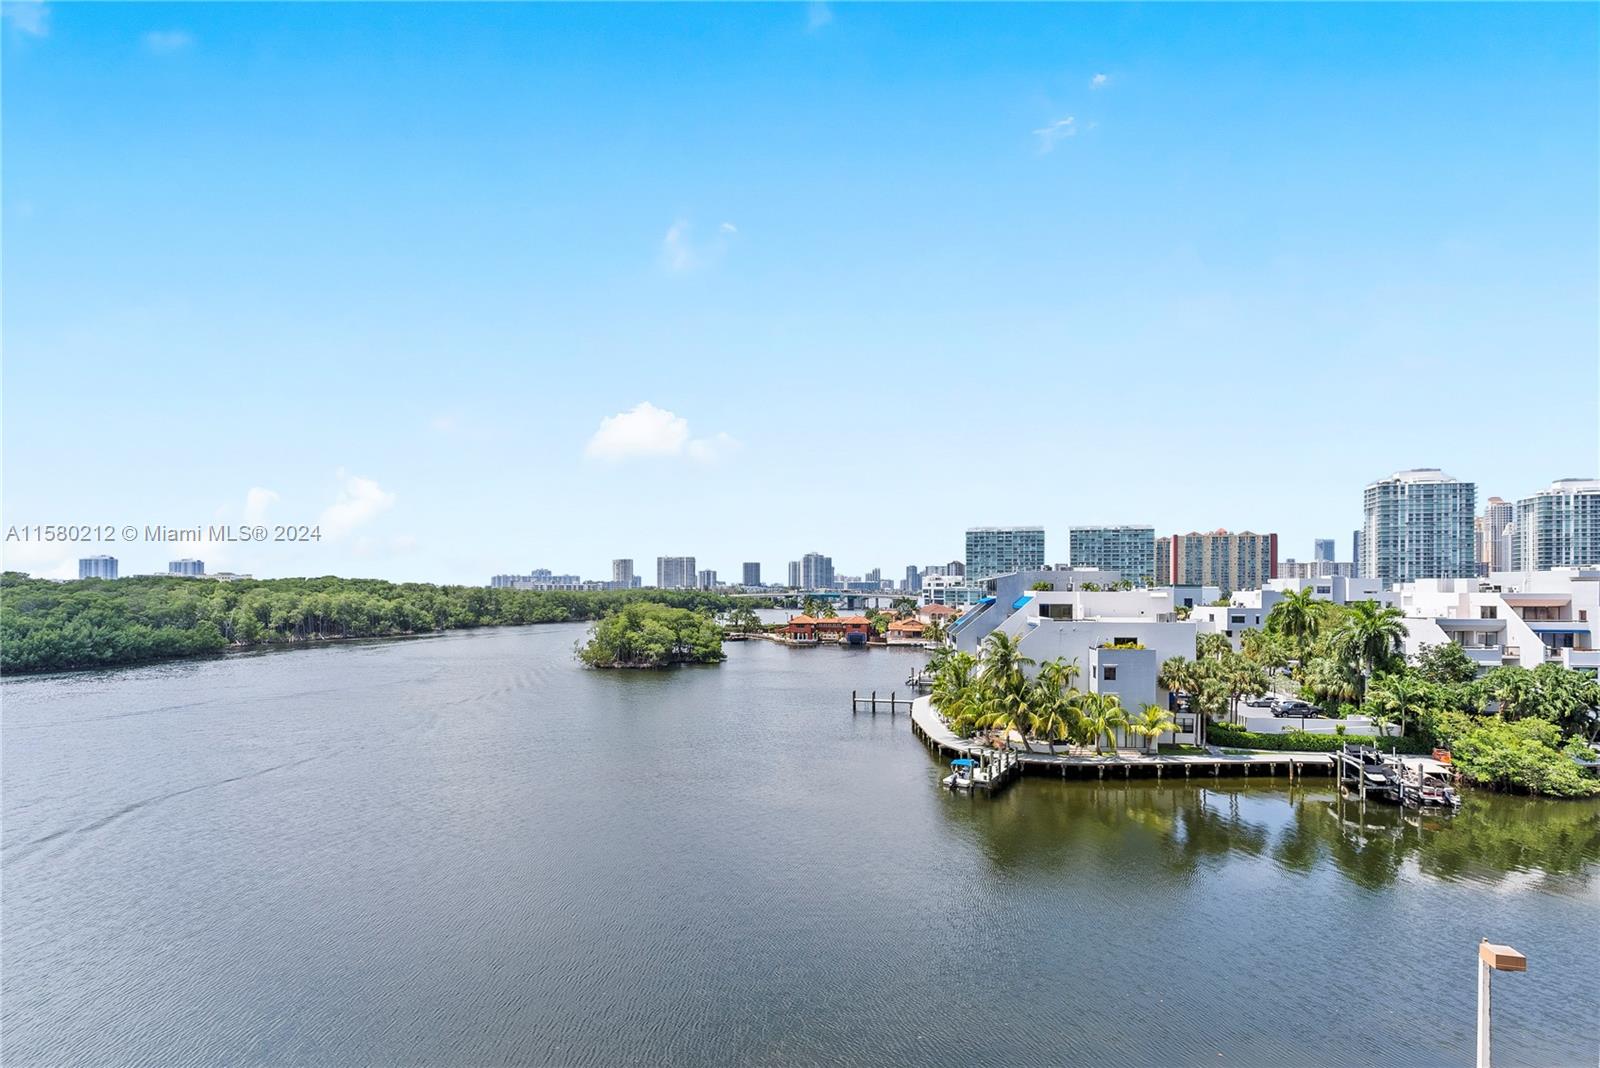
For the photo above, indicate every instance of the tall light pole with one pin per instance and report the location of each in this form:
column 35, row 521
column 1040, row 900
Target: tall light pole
column 1492, row 958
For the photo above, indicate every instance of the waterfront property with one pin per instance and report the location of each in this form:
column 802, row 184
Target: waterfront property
column 905, row 631
column 811, row 629
column 1512, row 617
column 1125, row 763
column 1117, row 638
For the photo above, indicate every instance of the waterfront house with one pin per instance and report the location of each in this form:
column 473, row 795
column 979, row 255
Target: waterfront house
column 943, row 613
column 841, row 628
column 804, row 628
column 801, row 628
column 904, row 631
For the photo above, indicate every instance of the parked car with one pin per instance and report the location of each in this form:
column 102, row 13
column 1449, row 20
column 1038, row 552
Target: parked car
column 1294, row 708
column 1264, row 701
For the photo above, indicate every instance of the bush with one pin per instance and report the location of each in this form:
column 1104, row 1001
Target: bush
column 1304, row 741
column 1521, row 756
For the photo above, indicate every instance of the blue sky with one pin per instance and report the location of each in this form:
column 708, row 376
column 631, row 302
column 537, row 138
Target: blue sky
column 846, row 278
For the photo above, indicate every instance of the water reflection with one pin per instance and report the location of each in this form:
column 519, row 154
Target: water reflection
column 1164, row 831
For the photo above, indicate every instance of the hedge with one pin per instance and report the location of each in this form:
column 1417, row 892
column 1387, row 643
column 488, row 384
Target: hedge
column 1306, row 742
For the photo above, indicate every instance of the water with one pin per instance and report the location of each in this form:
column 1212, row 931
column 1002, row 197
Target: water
column 468, row 850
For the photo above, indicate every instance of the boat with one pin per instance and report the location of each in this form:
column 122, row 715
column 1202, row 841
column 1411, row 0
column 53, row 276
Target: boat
column 960, row 777
column 1427, row 783
column 1377, row 774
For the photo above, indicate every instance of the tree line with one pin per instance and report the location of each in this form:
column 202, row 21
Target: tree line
column 88, row 623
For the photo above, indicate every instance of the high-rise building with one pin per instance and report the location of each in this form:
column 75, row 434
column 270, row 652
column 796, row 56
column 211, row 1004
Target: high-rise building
column 104, row 567
column 1128, row 550
column 675, row 573
column 706, row 580
column 995, row 551
column 187, row 566
column 955, row 568
column 794, row 574
column 752, row 573
column 1322, row 550
column 1558, row 527
column 1418, row 524
column 816, row 572
column 1355, row 552
column 1230, row 561
column 622, row 574
column 1492, row 535
column 913, row 579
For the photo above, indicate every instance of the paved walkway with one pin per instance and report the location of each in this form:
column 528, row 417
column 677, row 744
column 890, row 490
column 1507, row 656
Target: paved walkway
column 934, row 729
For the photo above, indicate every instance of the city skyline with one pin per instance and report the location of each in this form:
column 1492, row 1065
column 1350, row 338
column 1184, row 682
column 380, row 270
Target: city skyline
column 1576, row 543
column 533, row 289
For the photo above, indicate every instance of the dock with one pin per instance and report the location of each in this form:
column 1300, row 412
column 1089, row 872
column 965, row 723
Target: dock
column 932, row 732
column 874, row 704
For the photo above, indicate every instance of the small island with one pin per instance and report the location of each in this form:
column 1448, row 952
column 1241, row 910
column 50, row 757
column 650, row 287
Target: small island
column 653, row 636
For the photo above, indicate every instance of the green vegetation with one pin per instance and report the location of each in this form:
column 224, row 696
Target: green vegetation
column 1512, row 728
column 1224, row 734
column 995, row 696
column 652, row 636
column 57, row 626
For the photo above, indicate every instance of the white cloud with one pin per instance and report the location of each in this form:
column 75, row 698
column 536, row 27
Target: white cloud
column 676, row 251
column 166, row 42
column 818, row 15
column 680, row 252
column 360, row 501
column 1056, row 131
column 647, row 431
column 1098, row 81
column 256, row 503
column 31, row 17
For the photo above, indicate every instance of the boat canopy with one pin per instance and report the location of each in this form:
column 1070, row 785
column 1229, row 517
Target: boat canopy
column 962, row 762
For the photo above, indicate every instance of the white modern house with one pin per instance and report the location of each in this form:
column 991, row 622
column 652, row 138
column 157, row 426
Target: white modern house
column 1119, row 639
column 1248, row 609
column 1512, row 617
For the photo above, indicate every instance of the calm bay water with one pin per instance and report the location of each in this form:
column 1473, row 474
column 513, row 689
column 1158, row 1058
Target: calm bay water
column 468, row 850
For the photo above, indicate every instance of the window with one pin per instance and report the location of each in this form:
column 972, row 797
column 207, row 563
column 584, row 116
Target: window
column 1110, row 673
column 1124, row 641
column 1236, row 619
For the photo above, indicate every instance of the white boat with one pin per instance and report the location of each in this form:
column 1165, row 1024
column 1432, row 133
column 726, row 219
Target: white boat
column 1426, row 783
column 960, row 777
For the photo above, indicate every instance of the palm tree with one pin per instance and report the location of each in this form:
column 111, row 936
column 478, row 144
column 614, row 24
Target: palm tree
column 1369, row 636
column 1298, row 617
column 1264, row 648
column 1003, row 662
column 1053, row 714
column 1005, row 711
column 1330, row 681
column 934, row 632
column 1057, row 674
column 1103, row 715
column 1397, row 694
column 1152, row 722
column 1211, row 646
column 1242, row 678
